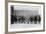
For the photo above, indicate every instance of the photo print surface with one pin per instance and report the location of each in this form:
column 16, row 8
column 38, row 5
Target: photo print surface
column 23, row 17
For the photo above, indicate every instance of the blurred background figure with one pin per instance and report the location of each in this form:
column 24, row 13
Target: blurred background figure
column 35, row 19
column 31, row 19
column 21, row 19
column 13, row 18
column 38, row 18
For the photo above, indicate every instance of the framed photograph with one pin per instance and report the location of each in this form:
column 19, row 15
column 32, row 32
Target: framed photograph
column 26, row 16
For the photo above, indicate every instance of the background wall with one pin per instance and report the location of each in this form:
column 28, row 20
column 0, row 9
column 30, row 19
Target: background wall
column 2, row 16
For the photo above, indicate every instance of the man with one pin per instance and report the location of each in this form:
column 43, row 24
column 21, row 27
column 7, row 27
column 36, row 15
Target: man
column 13, row 19
column 31, row 19
column 38, row 18
column 21, row 19
column 35, row 19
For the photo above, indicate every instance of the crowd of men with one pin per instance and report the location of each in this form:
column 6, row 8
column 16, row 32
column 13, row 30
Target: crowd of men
column 23, row 19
